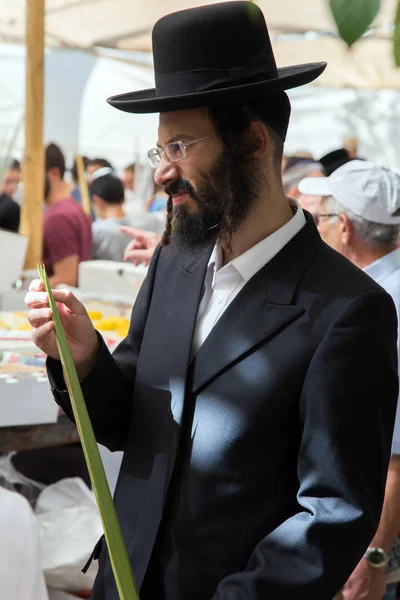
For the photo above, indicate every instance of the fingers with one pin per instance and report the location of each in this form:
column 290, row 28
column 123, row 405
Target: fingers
column 38, row 317
column 41, row 335
column 36, row 286
column 134, row 245
column 139, row 256
column 140, row 234
column 36, row 297
column 67, row 297
column 128, row 230
column 131, row 251
column 36, row 300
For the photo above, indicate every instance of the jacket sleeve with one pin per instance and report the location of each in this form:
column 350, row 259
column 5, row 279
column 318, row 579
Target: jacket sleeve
column 108, row 388
column 346, row 414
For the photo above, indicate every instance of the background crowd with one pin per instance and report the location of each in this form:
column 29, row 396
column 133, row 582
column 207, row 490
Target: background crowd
column 71, row 236
column 117, row 205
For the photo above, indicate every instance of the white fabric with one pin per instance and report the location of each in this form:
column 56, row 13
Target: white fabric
column 368, row 190
column 70, row 526
column 222, row 285
column 20, row 575
column 80, row 82
column 300, row 31
column 135, row 203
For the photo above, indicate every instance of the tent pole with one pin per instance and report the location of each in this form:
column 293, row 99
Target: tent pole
column 33, row 165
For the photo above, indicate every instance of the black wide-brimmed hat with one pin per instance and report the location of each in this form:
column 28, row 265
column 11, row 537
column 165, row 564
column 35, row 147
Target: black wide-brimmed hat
column 212, row 55
column 335, row 159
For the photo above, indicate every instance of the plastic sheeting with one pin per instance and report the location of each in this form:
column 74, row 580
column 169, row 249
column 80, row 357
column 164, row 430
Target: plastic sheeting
column 21, row 577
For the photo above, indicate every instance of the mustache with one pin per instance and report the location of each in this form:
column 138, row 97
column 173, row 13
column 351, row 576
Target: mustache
column 180, row 185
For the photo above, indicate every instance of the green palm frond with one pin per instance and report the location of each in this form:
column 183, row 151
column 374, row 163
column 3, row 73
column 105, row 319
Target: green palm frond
column 116, row 546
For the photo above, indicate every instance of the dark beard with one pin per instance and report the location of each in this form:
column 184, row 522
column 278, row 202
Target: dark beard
column 225, row 196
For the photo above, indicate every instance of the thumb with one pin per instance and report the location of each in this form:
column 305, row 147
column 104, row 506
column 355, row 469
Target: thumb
column 67, row 297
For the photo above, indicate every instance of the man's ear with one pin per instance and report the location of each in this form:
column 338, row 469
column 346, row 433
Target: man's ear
column 97, row 201
column 347, row 230
column 54, row 174
column 261, row 137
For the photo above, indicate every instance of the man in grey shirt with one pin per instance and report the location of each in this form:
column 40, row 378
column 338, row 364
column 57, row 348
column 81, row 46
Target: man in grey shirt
column 109, row 243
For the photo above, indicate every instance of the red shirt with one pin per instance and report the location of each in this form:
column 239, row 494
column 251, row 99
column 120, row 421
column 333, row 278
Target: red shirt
column 67, row 230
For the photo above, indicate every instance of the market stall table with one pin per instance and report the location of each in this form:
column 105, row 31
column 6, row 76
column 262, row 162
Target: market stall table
column 29, row 417
column 29, row 437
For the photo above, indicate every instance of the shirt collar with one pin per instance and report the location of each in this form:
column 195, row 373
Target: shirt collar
column 384, row 266
column 251, row 261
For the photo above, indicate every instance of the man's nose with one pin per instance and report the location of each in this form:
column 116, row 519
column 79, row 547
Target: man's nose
column 165, row 171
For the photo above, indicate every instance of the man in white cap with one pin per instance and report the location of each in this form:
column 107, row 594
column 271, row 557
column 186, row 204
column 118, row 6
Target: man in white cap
column 357, row 211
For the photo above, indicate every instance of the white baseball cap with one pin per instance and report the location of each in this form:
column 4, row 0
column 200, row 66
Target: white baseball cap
column 367, row 190
column 102, row 171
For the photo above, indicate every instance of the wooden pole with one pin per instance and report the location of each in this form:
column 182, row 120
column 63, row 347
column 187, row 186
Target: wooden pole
column 33, row 165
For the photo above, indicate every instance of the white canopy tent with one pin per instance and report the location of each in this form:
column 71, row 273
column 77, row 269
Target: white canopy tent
column 76, row 114
column 301, row 32
column 78, row 117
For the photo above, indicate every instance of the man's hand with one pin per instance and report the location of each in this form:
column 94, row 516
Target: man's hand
column 141, row 248
column 81, row 334
column 365, row 583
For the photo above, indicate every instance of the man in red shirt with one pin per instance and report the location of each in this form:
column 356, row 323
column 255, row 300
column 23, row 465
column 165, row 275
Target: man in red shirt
column 67, row 230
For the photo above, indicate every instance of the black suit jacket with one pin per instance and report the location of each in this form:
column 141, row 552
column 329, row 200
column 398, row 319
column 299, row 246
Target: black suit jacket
column 258, row 470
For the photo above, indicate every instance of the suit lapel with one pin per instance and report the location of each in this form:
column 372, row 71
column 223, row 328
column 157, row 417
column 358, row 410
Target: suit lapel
column 263, row 307
column 247, row 322
column 163, row 367
column 189, row 274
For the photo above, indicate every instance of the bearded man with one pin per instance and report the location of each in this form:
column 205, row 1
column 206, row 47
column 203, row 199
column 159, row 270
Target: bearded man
column 247, row 392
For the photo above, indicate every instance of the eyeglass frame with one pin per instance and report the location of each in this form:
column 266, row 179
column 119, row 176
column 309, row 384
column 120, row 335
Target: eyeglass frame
column 317, row 217
column 158, row 151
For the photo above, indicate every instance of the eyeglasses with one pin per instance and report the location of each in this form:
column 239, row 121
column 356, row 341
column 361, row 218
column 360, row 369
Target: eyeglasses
column 317, row 217
column 174, row 151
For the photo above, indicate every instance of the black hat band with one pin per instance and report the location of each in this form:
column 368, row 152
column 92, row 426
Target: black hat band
column 258, row 69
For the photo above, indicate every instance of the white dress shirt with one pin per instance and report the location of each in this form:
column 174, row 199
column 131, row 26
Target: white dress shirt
column 222, row 285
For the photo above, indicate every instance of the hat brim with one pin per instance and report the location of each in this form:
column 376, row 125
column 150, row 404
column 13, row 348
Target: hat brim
column 146, row 101
column 314, row 186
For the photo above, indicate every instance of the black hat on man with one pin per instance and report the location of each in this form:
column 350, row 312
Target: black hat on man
column 211, row 55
